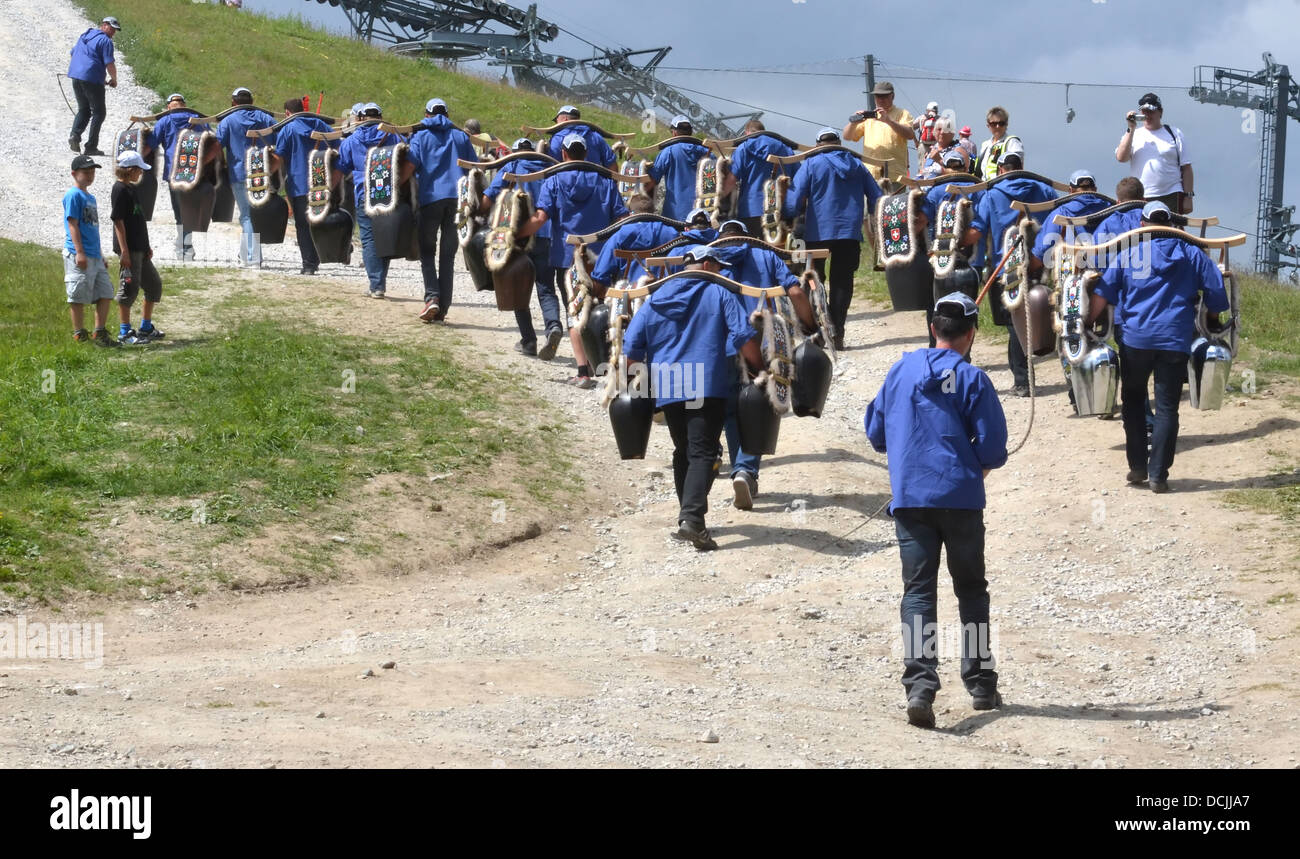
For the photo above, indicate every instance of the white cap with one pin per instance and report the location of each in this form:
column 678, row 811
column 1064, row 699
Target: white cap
column 131, row 158
column 934, row 105
column 680, row 119
column 357, row 108
column 370, row 107
column 112, row 22
column 696, row 213
column 1080, row 175
column 1157, row 212
column 569, row 109
column 175, row 97
column 570, row 140
column 433, row 104
column 827, row 132
column 242, row 90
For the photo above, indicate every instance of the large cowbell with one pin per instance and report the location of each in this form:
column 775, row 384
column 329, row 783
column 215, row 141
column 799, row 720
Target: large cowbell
column 1208, row 368
column 1095, row 381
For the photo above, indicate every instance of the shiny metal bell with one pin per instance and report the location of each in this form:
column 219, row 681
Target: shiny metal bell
column 1208, row 368
column 1095, row 381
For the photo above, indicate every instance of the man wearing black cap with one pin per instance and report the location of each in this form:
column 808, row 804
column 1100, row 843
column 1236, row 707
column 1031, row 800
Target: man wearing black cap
column 1157, row 156
column 939, row 420
column 686, row 332
column 92, row 64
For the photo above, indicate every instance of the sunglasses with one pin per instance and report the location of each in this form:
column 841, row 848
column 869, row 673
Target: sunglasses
column 997, row 124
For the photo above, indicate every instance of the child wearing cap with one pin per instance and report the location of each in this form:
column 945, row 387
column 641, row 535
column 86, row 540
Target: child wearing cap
column 131, row 244
column 85, row 276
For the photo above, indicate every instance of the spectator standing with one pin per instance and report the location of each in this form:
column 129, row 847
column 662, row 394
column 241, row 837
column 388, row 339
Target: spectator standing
column 885, row 133
column 1000, row 142
column 91, row 67
column 1157, row 156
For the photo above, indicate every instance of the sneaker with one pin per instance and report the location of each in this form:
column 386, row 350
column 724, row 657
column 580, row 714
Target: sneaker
column 920, row 712
column 745, row 487
column 81, row 335
column 529, row 349
column 586, row 383
column 1135, row 477
column 376, row 293
column 430, row 312
column 1020, row 391
column 74, row 143
column 90, row 150
column 151, row 333
column 553, row 338
column 308, row 271
column 131, row 338
column 987, row 702
column 697, row 536
column 101, row 338
column 1159, row 487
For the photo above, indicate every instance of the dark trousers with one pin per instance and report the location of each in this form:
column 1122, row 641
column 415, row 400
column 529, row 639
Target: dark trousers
column 184, row 237
column 846, row 254
column 922, row 532
column 696, row 434
column 540, row 253
column 1016, row 357
column 438, row 243
column 1136, row 367
column 1146, row 393
column 302, row 227
column 90, row 110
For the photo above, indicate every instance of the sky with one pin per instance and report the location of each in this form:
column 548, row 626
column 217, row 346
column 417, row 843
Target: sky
column 1134, row 46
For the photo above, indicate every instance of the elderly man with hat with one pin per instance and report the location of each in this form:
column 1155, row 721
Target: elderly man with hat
column 163, row 136
column 938, row 419
column 435, row 146
column 885, row 132
column 1156, row 155
column 686, row 332
column 675, row 167
column 232, row 132
column 352, row 158
column 833, row 185
column 92, row 65
column 1154, row 286
column 598, row 151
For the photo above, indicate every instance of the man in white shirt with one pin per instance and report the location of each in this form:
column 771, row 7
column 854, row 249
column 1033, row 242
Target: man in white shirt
column 1157, row 156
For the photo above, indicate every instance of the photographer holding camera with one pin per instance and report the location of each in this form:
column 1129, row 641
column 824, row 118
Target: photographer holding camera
column 884, row 134
column 1157, row 156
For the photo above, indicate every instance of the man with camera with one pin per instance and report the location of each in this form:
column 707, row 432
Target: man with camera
column 885, row 133
column 1157, row 156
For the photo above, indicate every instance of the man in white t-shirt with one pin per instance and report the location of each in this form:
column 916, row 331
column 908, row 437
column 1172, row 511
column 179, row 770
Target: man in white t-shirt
column 1157, row 156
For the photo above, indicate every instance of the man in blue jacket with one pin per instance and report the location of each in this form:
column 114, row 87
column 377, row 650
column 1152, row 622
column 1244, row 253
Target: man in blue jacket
column 163, row 136
column 992, row 218
column 686, row 331
column 91, row 66
column 675, row 166
column 575, row 202
column 233, row 134
column 637, row 236
column 598, row 151
column 834, row 185
column 352, row 159
column 1117, row 224
column 938, row 418
column 435, row 147
column 1083, row 184
column 293, row 146
column 539, row 251
column 750, row 169
column 1154, row 286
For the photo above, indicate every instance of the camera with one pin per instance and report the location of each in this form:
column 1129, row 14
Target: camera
column 1133, row 116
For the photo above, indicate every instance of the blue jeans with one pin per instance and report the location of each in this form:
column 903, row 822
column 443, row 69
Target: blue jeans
column 922, row 531
column 1136, row 367
column 250, row 246
column 90, row 111
column 740, row 460
column 376, row 266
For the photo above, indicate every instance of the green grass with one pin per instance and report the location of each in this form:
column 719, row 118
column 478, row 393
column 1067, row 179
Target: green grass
column 1268, row 313
column 205, row 51
column 251, row 424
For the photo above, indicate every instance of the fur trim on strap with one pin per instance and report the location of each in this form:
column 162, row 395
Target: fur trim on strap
column 895, row 216
column 383, row 168
column 257, row 175
column 469, row 193
column 1015, row 274
column 778, row 356
column 320, row 175
column 188, row 158
column 951, row 222
column 513, row 209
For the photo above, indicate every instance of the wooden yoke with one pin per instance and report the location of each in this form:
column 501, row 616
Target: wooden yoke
column 1014, row 174
column 699, row 274
column 154, row 117
column 782, row 160
column 570, row 123
column 566, row 166
column 634, row 218
column 642, row 151
column 506, row 159
column 724, row 147
column 204, row 120
column 271, row 129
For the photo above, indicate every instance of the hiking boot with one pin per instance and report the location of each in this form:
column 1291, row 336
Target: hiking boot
column 1020, row 391
column 920, row 712
column 838, row 340
column 101, row 338
column 991, row 701
column 92, row 150
column 1135, row 477
column 81, row 335
column 305, row 269
column 1159, row 487
column 698, row 536
column 430, row 312
column 745, row 486
column 74, row 143
column 553, row 338
column 529, row 349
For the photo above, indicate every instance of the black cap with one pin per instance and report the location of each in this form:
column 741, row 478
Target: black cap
column 84, row 162
column 1150, row 100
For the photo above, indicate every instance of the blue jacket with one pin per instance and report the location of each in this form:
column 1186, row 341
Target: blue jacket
column 994, row 213
column 520, row 167
column 233, row 134
column 598, row 151
column 293, row 143
column 939, row 419
column 675, row 166
column 639, row 236
column 834, row 184
column 930, row 205
column 580, row 202
column 1051, row 233
column 751, row 168
column 435, row 146
column 1116, row 225
column 164, row 133
column 91, row 55
column 685, row 331
column 1154, row 286
column 353, row 149
column 754, row 267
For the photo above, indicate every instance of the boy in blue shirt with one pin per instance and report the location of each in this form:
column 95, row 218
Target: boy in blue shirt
column 85, row 275
column 938, row 418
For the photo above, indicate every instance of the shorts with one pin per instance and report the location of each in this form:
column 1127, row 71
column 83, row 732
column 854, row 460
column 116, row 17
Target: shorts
column 143, row 277
column 88, row 285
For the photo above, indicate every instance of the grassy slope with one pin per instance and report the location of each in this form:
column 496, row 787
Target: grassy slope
column 205, row 51
column 257, row 421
